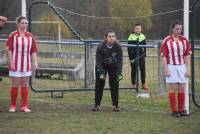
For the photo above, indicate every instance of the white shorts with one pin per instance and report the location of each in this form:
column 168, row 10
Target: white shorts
column 177, row 74
column 19, row 74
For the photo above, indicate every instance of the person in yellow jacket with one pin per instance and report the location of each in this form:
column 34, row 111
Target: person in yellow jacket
column 133, row 39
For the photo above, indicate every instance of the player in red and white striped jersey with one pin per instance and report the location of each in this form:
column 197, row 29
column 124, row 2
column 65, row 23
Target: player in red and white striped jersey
column 175, row 51
column 21, row 49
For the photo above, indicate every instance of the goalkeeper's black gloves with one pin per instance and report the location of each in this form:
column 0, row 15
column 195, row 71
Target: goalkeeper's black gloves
column 132, row 61
column 102, row 76
column 119, row 77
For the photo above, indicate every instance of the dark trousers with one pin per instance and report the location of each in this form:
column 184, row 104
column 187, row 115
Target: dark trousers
column 113, row 83
column 142, row 70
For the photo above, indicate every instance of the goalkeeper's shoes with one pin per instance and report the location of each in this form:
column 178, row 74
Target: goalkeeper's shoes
column 116, row 109
column 96, row 107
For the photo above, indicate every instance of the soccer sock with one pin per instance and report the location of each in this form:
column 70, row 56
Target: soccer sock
column 24, row 96
column 13, row 95
column 181, row 102
column 172, row 100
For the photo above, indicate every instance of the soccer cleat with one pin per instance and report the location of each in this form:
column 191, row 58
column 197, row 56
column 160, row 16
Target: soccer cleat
column 176, row 114
column 116, row 108
column 183, row 113
column 96, row 107
column 25, row 109
column 12, row 109
column 145, row 87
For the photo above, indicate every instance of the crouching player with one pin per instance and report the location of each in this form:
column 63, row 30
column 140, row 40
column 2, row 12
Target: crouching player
column 108, row 60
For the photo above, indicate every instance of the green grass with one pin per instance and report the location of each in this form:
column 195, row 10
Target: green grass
column 72, row 115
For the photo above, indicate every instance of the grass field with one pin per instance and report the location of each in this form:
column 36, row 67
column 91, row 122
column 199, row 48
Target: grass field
column 72, row 115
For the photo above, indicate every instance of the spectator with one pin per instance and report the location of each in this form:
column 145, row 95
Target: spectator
column 134, row 39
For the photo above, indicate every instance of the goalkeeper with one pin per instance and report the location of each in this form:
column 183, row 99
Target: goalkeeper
column 108, row 60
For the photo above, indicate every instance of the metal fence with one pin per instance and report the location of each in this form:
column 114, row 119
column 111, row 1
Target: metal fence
column 70, row 65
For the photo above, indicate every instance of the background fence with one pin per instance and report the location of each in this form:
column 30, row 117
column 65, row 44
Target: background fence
column 63, row 66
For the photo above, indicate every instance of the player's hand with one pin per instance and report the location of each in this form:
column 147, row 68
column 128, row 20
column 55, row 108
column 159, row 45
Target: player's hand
column 132, row 61
column 166, row 72
column 35, row 66
column 102, row 76
column 12, row 67
column 119, row 77
column 187, row 74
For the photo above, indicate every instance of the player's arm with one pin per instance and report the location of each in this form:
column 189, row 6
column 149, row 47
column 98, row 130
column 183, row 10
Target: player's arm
column 99, row 63
column 144, row 43
column 34, row 54
column 10, row 60
column 166, row 70
column 9, row 49
column 163, row 54
column 119, row 64
column 187, row 63
column 34, row 60
column 187, row 59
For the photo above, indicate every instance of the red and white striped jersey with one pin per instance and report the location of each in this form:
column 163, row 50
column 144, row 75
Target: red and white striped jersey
column 175, row 51
column 22, row 48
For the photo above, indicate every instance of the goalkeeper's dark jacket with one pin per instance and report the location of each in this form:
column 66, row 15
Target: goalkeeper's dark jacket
column 109, row 57
column 134, row 39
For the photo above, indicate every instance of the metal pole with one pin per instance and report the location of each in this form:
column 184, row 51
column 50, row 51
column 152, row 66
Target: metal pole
column 23, row 3
column 59, row 32
column 186, row 19
column 137, row 66
column 186, row 34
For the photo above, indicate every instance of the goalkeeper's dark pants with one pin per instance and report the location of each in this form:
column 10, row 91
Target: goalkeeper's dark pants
column 113, row 83
column 141, row 66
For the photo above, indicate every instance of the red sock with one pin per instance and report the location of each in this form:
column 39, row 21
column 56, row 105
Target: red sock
column 13, row 96
column 172, row 100
column 181, row 102
column 24, row 96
